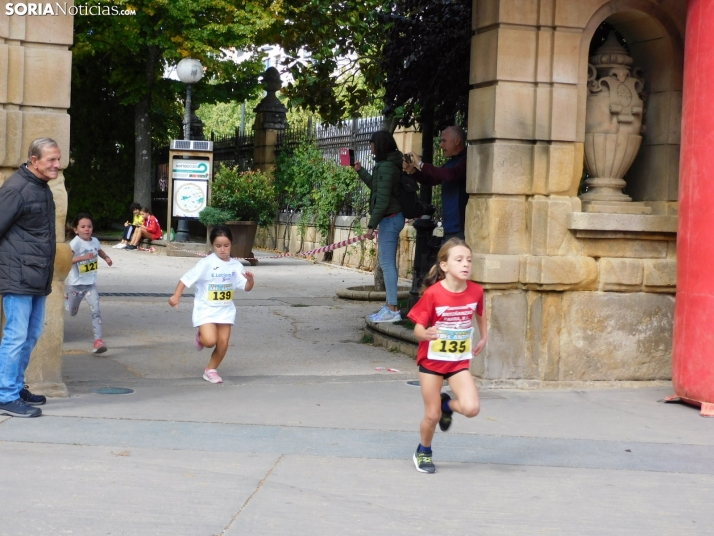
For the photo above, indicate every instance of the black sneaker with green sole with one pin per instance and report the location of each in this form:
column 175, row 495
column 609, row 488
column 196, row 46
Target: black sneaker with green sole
column 423, row 463
column 445, row 419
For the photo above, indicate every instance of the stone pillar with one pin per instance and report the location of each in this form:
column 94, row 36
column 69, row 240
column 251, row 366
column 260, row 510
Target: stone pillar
column 571, row 296
column 35, row 74
column 693, row 357
column 270, row 119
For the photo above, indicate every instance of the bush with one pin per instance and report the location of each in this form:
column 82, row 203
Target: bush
column 211, row 216
column 315, row 187
column 248, row 195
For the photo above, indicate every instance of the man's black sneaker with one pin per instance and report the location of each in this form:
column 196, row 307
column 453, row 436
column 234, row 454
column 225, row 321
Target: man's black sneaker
column 422, row 462
column 32, row 400
column 19, row 408
column 445, row 419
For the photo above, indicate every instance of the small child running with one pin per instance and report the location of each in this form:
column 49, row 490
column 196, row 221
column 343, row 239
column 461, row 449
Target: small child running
column 444, row 326
column 129, row 228
column 216, row 277
column 82, row 279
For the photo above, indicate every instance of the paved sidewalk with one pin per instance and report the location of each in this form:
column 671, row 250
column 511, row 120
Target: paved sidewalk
column 306, row 437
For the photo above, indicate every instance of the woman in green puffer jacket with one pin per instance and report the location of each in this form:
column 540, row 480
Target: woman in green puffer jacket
column 385, row 214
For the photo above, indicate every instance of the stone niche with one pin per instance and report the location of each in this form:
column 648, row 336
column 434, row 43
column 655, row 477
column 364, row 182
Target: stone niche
column 578, row 288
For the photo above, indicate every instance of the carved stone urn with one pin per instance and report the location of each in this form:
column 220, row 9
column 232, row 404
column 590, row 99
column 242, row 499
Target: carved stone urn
column 613, row 125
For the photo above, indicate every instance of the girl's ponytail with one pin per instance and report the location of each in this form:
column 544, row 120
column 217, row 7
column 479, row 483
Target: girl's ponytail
column 435, row 275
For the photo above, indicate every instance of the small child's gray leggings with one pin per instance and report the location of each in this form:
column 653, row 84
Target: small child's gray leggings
column 73, row 297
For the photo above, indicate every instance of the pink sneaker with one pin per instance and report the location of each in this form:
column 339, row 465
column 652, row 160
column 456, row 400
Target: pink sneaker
column 211, row 375
column 197, row 341
column 99, row 347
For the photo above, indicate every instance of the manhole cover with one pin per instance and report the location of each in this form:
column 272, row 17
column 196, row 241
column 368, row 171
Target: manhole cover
column 114, row 391
column 414, row 382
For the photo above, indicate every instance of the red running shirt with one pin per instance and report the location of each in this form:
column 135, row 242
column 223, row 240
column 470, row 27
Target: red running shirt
column 450, row 310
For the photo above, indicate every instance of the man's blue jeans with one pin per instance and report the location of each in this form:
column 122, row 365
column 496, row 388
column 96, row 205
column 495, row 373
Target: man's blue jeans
column 24, row 320
column 388, row 239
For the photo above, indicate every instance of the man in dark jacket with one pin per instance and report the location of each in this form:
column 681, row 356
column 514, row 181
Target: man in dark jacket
column 27, row 252
column 451, row 176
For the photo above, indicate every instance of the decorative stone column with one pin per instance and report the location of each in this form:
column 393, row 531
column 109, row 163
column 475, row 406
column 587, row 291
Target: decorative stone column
column 35, row 75
column 270, row 119
column 612, row 129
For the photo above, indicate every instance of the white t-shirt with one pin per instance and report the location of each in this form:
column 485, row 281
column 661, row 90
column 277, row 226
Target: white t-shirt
column 215, row 282
column 84, row 272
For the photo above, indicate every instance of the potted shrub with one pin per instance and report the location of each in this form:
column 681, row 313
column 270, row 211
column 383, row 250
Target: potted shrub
column 242, row 201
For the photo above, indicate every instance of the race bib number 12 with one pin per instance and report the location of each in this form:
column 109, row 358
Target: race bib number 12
column 220, row 294
column 88, row 266
column 452, row 345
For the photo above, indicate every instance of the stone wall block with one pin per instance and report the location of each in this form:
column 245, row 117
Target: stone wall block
column 505, row 110
column 4, row 25
column 661, row 273
column 517, row 49
column 566, row 56
column 637, row 249
column 42, row 64
column 561, row 161
column 506, row 356
column 495, row 269
column 515, row 111
column 14, row 153
column 564, row 122
column 497, row 225
column 3, row 136
column 46, row 125
column 490, row 12
column 544, row 67
column 621, row 274
column 616, row 336
column 4, row 59
column 17, row 28
column 484, row 53
column 482, row 113
column 499, row 168
column 543, row 335
column 548, row 225
column 543, row 111
column 560, row 273
column 50, row 30
column 15, row 74
column 576, row 14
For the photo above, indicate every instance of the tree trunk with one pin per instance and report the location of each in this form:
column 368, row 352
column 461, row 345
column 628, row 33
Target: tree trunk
column 142, row 133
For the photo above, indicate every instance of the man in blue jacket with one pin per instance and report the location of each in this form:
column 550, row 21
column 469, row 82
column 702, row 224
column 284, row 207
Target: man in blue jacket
column 451, row 176
column 27, row 253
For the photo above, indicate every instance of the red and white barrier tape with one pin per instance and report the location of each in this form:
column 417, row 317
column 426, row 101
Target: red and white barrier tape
column 323, row 249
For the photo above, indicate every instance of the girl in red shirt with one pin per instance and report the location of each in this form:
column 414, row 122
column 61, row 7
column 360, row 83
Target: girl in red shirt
column 151, row 229
column 444, row 326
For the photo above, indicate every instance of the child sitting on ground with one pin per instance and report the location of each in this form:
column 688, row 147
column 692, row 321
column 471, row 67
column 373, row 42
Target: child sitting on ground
column 129, row 228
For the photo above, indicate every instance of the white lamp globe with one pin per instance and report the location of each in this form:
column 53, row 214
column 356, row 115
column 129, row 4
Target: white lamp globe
column 189, row 70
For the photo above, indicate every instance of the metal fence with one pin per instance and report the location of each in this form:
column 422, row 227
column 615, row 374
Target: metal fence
column 233, row 151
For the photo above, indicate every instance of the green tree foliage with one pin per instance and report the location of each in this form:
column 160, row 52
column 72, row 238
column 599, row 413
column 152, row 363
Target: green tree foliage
column 343, row 39
column 131, row 55
column 413, row 53
column 426, row 59
column 316, row 188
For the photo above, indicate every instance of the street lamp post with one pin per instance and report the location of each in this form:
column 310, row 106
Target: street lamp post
column 189, row 71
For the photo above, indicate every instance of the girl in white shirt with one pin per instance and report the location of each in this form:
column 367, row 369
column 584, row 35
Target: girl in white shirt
column 82, row 278
column 215, row 277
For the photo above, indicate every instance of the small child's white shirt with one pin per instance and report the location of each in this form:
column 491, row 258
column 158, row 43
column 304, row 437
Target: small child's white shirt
column 84, row 272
